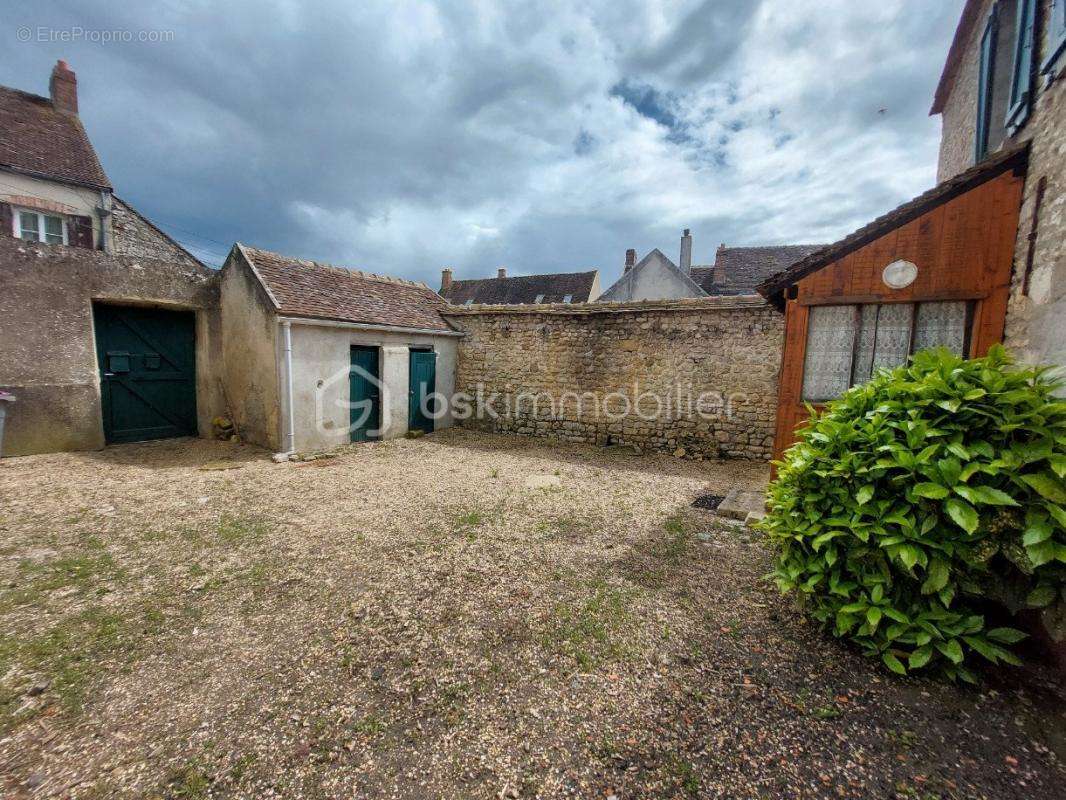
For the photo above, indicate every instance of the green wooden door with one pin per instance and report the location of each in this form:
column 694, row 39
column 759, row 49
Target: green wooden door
column 365, row 394
column 423, row 383
column 147, row 361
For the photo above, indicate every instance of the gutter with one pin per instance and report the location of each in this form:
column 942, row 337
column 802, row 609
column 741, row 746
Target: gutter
column 360, row 326
column 290, row 416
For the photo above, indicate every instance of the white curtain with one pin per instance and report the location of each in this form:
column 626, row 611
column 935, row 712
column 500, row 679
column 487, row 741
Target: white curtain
column 893, row 343
column 830, row 343
column 847, row 344
column 940, row 325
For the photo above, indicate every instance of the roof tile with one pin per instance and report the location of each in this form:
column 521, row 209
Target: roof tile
column 322, row 291
column 37, row 139
column 523, row 289
column 738, row 270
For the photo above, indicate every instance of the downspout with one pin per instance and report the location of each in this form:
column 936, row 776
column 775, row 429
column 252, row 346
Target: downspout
column 103, row 212
column 290, row 416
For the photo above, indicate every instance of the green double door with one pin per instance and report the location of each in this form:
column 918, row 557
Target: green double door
column 423, row 382
column 147, row 362
column 365, row 394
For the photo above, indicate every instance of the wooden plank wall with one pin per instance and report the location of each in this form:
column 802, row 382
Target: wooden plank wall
column 964, row 250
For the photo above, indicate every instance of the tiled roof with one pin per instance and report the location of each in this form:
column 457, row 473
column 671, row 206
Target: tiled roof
column 1016, row 158
column 321, row 291
column 37, row 139
column 738, row 270
column 523, row 289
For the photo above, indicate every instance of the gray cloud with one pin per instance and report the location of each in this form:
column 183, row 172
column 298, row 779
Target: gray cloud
column 403, row 136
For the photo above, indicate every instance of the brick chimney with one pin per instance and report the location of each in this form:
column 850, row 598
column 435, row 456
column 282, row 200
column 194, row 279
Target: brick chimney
column 686, row 251
column 63, row 88
column 445, row 280
column 631, row 260
column 501, row 272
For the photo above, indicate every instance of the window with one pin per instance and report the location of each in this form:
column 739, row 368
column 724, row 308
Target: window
column 1056, row 37
column 37, row 227
column 539, row 299
column 985, row 83
column 1022, row 70
column 567, row 298
column 846, row 345
column 469, row 302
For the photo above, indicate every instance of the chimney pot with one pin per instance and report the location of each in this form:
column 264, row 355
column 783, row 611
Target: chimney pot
column 501, row 272
column 631, row 259
column 686, row 251
column 445, row 280
column 63, row 88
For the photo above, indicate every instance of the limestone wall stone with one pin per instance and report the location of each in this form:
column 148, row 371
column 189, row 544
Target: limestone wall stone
column 698, row 375
column 133, row 235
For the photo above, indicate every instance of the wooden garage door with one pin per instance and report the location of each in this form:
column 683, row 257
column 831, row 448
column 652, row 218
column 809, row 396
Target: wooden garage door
column 147, row 360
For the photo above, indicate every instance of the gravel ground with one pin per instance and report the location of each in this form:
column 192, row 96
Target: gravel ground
column 434, row 618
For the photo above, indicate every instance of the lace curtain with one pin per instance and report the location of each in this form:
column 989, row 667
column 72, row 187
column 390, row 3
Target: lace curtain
column 846, row 345
column 940, row 325
column 830, row 343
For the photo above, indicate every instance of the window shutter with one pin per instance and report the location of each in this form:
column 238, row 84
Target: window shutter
column 1022, row 76
column 80, row 233
column 984, row 84
column 1056, row 37
column 6, row 220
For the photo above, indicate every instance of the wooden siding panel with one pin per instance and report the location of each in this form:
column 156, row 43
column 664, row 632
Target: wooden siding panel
column 964, row 250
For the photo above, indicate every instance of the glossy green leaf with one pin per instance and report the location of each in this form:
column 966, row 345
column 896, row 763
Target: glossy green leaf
column 962, row 514
column 934, row 491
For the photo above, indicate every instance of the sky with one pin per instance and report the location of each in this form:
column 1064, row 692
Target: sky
column 402, row 137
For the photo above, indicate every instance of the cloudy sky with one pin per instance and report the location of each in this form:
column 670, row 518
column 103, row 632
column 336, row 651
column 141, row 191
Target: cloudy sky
column 401, row 136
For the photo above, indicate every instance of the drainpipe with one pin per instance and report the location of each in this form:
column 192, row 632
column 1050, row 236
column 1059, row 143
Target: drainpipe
column 291, row 415
column 103, row 213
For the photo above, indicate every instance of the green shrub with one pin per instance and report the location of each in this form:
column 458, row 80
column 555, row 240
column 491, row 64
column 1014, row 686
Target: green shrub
column 914, row 499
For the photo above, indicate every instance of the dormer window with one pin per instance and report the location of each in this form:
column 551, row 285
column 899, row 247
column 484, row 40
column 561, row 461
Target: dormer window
column 567, row 298
column 34, row 226
column 539, row 299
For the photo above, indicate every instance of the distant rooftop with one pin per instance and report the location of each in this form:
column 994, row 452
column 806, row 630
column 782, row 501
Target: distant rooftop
column 563, row 287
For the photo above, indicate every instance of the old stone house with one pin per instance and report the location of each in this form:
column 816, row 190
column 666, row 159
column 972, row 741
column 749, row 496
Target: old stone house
column 1003, row 84
column 561, row 287
column 110, row 328
column 317, row 356
column 735, row 271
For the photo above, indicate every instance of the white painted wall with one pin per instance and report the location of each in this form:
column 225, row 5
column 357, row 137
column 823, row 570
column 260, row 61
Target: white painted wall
column 655, row 277
column 321, row 357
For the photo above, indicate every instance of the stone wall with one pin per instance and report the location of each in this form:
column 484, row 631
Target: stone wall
column 598, row 372
column 47, row 345
column 1036, row 314
column 134, row 235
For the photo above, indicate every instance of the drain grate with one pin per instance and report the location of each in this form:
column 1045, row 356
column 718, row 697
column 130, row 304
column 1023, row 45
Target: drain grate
column 708, row 501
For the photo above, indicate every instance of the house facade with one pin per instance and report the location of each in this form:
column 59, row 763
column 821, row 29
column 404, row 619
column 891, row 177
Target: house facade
column 562, row 287
column 317, row 356
column 1003, row 84
column 111, row 329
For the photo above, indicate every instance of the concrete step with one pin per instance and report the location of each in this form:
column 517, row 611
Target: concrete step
column 738, row 504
